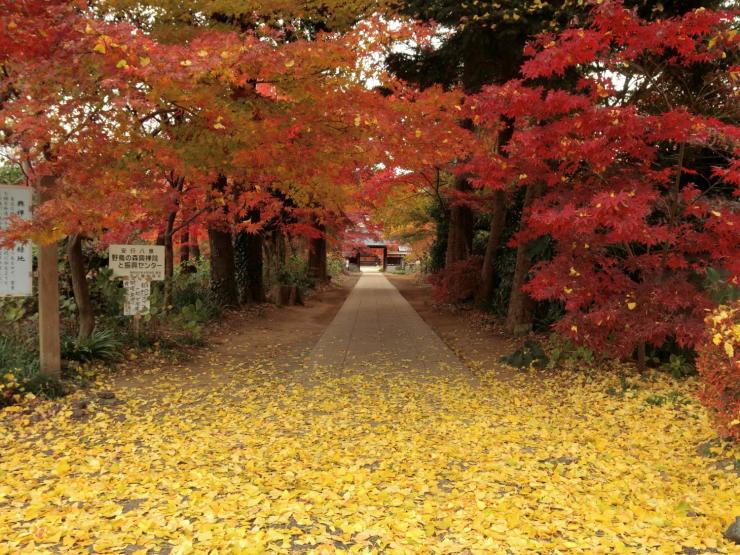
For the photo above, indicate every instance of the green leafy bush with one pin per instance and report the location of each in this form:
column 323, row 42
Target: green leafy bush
column 564, row 353
column 16, row 353
column 107, row 295
column 531, row 354
column 295, row 272
column 679, row 366
column 334, row 265
column 101, row 345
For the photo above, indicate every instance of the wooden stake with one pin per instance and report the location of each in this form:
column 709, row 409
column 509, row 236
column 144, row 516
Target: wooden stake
column 49, row 335
column 49, row 341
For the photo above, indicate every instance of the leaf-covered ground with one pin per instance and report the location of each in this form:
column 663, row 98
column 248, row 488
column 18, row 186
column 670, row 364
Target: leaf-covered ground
column 366, row 463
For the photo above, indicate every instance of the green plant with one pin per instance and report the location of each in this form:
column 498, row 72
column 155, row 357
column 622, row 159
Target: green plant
column 191, row 288
column 101, row 345
column 625, row 385
column 192, row 316
column 13, row 309
column 107, row 294
column 679, row 366
column 295, row 272
column 19, row 372
column 67, row 306
column 564, row 352
column 11, row 175
column 334, row 265
column 46, row 386
column 674, row 398
column 16, row 353
column 721, row 289
column 530, row 355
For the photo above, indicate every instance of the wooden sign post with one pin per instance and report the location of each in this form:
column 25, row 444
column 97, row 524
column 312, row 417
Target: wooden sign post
column 16, row 278
column 49, row 340
column 49, row 330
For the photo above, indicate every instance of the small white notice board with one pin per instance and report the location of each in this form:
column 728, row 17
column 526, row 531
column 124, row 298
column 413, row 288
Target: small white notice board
column 16, row 264
column 137, row 297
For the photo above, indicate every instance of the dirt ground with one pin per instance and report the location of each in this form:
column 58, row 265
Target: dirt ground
column 282, row 336
column 278, row 336
column 477, row 340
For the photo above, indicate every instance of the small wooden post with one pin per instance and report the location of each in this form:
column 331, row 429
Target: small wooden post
column 49, row 335
column 137, row 326
column 49, row 341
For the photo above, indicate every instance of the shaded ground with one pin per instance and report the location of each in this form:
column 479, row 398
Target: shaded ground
column 481, row 344
column 276, row 336
column 234, row 454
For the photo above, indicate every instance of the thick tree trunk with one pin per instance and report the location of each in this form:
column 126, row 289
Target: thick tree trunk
column 317, row 256
column 521, row 306
column 85, row 314
column 250, row 264
column 223, row 268
column 223, row 282
column 169, row 260
column 255, row 268
column 498, row 223
column 460, row 234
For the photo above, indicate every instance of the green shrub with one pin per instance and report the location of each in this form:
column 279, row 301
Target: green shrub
column 103, row 344
column 334, row 265
column 189, row 288
column 679, row 366
column 295, row 272
column 44, row 386
column 674, row 398
column 107, row 295
column 531, row 354
column 564, row 353
column 19, row 372
column 11, row 175
column 15, row 353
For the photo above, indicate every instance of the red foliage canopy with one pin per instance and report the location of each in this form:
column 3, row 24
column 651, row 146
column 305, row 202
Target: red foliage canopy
column 634, row 224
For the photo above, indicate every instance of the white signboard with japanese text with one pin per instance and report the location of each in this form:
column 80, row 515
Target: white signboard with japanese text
column 138, row 262
column 137, row 297
column 16, row 264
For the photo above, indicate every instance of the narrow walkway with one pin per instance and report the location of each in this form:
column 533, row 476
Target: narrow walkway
column 377, row 326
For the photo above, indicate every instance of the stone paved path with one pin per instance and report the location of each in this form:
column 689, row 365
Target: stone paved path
column 376, row 325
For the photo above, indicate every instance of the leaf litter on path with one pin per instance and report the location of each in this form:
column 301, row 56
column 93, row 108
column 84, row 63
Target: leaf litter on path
column 368, row 462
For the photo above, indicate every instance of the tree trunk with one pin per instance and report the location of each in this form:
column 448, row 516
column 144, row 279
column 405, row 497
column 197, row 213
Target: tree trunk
column 498, row 223
column 184, row 247
column 194, row 245
column 641, row 357
column 85, row 314
column 249, row 263
column 223, row 282
column 169, row 260
column 317, row 256
column 255, row 268
column 460, row 234
column 521, row 306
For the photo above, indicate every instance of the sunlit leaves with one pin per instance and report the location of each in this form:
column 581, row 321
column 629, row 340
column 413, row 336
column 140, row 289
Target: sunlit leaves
column 377, row 460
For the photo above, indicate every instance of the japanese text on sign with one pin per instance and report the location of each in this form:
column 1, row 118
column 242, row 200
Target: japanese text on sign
column 137, row 297
column 144, row 262
column 16, row 264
